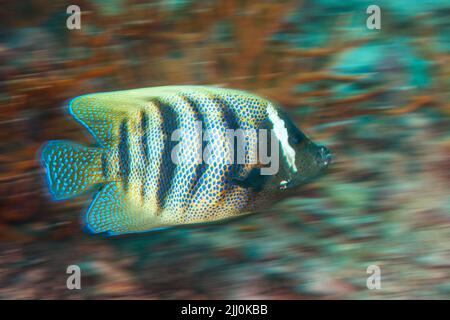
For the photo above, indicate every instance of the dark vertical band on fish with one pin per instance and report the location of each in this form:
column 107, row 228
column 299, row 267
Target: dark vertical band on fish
column 170, row 123
column 144, row 127
column 105, row 166
column 124, row 153
column 200, row 168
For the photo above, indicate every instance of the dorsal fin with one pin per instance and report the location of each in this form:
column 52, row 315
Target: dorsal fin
column 103, row 113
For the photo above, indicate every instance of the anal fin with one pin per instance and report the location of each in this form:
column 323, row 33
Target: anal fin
column 107, row 212
column 113, row 214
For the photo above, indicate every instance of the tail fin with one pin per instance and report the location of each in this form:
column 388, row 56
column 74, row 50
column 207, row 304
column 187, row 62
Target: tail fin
column 71, row 168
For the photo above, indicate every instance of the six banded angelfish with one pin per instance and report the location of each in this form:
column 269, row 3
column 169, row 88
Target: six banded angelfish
column 138, row 185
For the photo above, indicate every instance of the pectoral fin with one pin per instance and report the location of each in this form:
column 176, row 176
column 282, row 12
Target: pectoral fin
column 253, row 179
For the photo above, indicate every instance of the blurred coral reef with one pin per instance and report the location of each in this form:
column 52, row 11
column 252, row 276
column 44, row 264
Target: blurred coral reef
column 378, row 98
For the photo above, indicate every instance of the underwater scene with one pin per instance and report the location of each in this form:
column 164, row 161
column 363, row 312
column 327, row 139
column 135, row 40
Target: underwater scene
column 356, row 93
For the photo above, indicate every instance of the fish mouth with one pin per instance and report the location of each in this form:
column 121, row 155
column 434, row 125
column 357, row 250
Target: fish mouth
column 325, row 157
column 293, row 185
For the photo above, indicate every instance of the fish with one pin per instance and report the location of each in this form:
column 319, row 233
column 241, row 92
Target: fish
column 148, row 170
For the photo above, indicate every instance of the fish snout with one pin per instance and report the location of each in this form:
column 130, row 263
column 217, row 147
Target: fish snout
column 324, row 156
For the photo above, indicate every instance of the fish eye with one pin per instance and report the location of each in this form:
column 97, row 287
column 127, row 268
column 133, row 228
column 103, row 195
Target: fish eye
column 295, row 139
column 292, row 141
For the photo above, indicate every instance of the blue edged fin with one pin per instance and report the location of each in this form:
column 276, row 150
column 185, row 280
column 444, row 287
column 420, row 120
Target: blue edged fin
column 107, row 212
column 111, row 214
column 71, row 168
column 102, row 114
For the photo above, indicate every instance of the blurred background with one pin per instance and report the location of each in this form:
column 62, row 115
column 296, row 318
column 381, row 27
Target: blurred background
column 378, row 98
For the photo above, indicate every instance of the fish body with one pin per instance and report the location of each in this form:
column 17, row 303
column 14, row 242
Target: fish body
column 141, row 187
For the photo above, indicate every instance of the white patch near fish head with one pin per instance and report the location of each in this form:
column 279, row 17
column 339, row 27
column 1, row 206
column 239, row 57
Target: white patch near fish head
column 282, row 135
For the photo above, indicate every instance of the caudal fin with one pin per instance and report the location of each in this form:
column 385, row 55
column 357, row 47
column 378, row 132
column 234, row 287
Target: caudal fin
column 71, row 168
